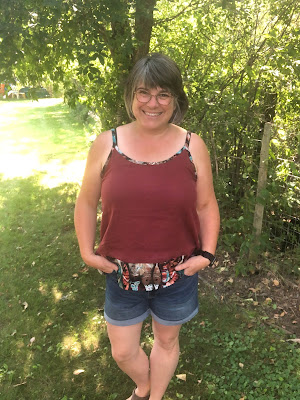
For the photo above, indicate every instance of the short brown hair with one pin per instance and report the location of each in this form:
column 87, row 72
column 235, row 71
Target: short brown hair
column 157, row 70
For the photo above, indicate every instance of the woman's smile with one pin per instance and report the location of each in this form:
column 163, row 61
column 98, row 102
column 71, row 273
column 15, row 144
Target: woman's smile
column 152, row 114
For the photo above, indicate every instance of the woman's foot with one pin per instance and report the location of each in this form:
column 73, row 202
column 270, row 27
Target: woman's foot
column 134, row 396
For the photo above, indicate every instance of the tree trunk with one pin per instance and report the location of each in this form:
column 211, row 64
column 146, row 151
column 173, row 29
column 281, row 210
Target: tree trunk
column 143, row 26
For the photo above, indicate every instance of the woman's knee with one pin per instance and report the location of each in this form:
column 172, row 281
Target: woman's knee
column 122, row 354
column 167, row 338
column 167, row 343
column 125, row 342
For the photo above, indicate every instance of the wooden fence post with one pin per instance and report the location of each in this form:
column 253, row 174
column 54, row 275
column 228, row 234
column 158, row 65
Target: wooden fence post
column 262, row 182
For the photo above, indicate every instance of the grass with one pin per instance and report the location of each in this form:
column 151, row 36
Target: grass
column 52, row 331
column 41, row 137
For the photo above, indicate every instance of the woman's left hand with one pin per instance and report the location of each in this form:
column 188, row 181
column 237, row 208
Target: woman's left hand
column 193, row 265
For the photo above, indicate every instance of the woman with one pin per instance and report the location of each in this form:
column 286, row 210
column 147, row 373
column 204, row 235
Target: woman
column 159, row 226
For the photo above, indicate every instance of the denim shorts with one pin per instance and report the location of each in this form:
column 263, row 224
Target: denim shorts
column 172, row 305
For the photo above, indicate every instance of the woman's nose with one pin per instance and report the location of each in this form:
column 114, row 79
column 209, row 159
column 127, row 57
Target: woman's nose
column 153, row 101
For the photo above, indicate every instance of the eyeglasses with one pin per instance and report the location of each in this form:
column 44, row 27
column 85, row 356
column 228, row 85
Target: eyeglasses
column 163, row 98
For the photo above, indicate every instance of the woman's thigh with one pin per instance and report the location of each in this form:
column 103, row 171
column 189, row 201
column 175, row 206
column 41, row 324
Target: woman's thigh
column 125, row 340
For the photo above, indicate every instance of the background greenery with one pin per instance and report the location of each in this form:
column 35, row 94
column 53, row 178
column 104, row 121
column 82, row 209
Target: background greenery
column 52, row 331
column 240, row 68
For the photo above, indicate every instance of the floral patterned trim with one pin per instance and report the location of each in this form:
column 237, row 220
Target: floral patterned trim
column 147, row 276
column 185, row 147
column 116, row 147
column 154, row 162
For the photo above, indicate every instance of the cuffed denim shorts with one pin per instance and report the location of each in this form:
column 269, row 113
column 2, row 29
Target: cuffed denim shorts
column 172, row 305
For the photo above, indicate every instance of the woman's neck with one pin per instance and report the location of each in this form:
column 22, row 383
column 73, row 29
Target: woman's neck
column 149, row 133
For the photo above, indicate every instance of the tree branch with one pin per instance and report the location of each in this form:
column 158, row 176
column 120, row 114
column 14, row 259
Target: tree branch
column 189, row 6
column 252, row 58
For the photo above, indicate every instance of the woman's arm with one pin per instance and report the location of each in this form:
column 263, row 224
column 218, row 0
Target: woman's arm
column 207, row 207
column 85, row 216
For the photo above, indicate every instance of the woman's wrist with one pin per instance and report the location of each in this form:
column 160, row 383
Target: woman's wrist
column 87, row 256
column 209, row 256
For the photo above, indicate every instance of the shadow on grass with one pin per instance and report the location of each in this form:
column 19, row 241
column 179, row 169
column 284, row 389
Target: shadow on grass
column 51, row 313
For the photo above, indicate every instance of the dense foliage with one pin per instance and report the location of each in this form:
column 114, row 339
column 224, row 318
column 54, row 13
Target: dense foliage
column 239, row 61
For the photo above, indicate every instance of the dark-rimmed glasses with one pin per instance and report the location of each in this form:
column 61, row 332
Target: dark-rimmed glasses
column 163, row 98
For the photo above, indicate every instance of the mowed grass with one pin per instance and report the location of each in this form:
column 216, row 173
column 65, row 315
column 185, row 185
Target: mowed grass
column 53, row 342
column 41, row 137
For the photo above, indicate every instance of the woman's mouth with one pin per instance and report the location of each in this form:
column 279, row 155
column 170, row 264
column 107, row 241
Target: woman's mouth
column 152, row 114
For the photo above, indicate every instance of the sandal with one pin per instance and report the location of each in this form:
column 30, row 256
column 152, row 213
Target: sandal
column 136, row 397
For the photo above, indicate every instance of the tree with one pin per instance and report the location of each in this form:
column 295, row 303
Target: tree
column 89, row 45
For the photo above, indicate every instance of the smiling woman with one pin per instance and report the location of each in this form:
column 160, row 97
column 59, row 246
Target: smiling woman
column 159, row 227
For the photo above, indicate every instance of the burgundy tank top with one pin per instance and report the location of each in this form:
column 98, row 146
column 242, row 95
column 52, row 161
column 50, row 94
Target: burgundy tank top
column 148, row 209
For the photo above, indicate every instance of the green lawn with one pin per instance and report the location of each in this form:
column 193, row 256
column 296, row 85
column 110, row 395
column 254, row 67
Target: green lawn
column 53, row 343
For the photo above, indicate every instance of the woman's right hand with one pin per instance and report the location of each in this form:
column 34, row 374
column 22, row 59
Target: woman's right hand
column 100, row 263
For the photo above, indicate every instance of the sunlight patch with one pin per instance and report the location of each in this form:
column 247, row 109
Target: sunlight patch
column 91, row 341
column 17, row 165
column 14, row 165
column 56, row 174
column 43, row 288
column 57, row 294
column 91, row 333
column 71, row 344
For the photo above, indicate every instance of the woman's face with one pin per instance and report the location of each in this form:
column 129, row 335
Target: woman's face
column 156, row 112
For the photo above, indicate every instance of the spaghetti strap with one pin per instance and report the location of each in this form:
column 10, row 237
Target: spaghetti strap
column 115, row 143
column 187, row 140
column 114, row 137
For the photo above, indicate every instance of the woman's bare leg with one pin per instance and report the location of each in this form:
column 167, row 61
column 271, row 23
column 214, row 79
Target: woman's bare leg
column 164, row 358
column 128, row 354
